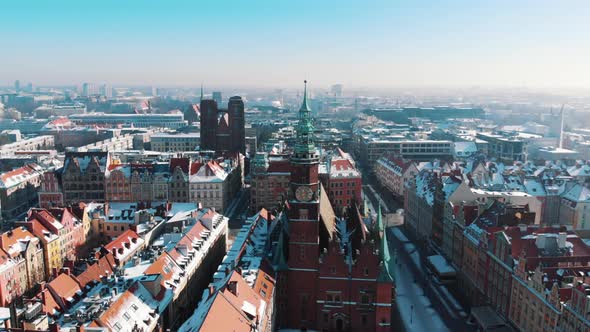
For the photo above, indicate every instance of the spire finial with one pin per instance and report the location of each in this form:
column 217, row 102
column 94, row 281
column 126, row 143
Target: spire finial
column 304, row 106
column 201, row 91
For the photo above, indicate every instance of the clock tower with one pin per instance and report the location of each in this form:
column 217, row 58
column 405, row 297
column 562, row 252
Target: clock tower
column 304, row 190
column 304, row 217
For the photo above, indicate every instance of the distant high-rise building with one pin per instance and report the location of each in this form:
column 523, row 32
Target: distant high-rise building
column 336, row 90
column 154, row 91
column 29, row 87
column 17, row 86
column 106, row 90
column 217, row 97
column 85, row 89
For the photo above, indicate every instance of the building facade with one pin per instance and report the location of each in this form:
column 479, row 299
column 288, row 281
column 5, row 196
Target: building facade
column 83, row 176
column 18, row 190
column 393, row 173
column 166, row 142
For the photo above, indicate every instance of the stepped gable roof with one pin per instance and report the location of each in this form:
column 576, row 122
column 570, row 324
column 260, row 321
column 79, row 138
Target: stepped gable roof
column 183, row 163
column 83, row 160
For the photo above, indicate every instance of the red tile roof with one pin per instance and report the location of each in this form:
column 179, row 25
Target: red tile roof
column 12, row 237
column 165, row 266
column 50, row 305
column 227, row 310
column 120, row 241
column 9, row 178
column 65, row 286
column 104, row 266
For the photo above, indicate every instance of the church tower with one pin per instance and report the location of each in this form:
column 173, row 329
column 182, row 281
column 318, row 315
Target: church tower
column 304, row 217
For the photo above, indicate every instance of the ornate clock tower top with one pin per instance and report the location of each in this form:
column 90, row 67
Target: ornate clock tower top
column 305, row 161
column 305, row 150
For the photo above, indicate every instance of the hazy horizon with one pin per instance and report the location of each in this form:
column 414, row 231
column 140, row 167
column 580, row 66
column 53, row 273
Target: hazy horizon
column 264, row 44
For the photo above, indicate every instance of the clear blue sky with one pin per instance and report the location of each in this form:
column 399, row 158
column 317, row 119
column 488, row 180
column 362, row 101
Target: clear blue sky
column 267, row 43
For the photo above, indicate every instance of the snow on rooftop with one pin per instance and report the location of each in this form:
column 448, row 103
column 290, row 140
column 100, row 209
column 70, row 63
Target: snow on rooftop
column 440, row 264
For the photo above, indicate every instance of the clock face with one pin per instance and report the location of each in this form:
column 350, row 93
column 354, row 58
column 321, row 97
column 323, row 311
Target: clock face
column 303, row 194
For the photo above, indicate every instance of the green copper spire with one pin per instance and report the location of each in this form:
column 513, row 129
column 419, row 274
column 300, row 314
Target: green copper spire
column 304, row 106
column 386, row 273
column 279, row 262
column 305, row 144
column 379, row 220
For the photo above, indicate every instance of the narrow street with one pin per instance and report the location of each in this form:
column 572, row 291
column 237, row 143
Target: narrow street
column 236, row 211
column 423, row 304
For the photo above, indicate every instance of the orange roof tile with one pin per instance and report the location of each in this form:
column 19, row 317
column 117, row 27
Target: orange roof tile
column 50, row 305
column 165, row 266
column 65, row 286
column 120, row 241
column 227, row 310
column 103, row 267
column 12, row 237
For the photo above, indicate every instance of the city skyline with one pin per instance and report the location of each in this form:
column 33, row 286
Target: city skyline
column 263, row 44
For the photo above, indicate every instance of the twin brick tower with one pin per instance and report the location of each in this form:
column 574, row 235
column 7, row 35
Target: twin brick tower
column 222, row 130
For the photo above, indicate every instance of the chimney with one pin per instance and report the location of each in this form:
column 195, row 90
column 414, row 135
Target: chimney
column 232, row 286
column 53, row 327
column 66, row 270
column 42, row 285
column 43, row 296
column 561, row 238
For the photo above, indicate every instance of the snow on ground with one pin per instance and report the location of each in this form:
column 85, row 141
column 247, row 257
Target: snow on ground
column 422, row 317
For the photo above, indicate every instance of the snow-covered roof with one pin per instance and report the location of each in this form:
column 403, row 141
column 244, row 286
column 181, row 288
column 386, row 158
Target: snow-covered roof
column 463, row 149
column 578, row 193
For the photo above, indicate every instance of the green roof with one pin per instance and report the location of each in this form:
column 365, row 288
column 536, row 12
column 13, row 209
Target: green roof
column 386, row 274
column 305, row 128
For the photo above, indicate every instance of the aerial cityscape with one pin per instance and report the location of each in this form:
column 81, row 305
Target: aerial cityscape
column 294, row 166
